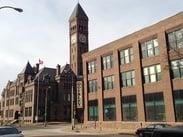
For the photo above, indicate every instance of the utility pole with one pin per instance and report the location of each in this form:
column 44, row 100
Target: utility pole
column 72, row 105
column 46, row 102
column 47, row 82
column 37, row 105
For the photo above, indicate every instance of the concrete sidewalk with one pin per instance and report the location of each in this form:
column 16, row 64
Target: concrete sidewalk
column 92, row 131
column 65, row 129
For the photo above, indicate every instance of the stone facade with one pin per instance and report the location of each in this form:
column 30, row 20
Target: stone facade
column 20, row 97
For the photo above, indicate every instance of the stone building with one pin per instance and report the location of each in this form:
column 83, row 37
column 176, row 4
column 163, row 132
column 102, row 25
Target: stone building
column 50, row 87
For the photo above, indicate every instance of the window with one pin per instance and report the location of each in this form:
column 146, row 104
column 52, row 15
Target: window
column 93, row 110
column 109, row 109
column 128, row 78
column 28, row 111
column 155, row 108
column 92, row 67
column 175, row 39
column 107, row 62
column 178, row 102
column 68, row 97
column 16, row 100
column 11, row 101
column 150, row 48
column 92, row 85
column 6, row 114
column 177, row 68
column 126, row 56
column 7, row 102
column 11, row 113
column 152, row 74
column 28, row 96
column 129, row 107
column 108, row 82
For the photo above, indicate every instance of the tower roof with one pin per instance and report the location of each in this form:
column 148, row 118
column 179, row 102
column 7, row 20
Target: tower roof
column 78, row 12
column 28, row 69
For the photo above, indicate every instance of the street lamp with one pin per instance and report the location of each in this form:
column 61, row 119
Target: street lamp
column 47, row 81
column 17, row 9
column 72, row 104
column 72, row 98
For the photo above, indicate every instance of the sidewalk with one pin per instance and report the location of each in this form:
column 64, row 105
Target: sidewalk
column 81, row 130
column 65, row 129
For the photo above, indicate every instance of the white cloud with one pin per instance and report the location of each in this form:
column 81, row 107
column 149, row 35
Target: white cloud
column 41, row 31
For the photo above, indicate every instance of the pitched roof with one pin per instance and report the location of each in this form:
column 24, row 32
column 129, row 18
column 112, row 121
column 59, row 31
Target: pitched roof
column 44, row 71
column 65, row 67
column 78, row 12
column 28, row 69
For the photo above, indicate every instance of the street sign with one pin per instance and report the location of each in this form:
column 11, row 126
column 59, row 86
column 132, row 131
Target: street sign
column 79, row 94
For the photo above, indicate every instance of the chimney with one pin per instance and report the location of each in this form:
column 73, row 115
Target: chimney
column 58, row 69
column 37, row 68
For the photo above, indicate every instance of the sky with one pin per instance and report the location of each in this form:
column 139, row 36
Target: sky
column 42, row 30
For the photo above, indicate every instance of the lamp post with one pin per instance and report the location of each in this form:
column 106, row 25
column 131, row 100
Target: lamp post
column 72, row 98
column 14, row 8
column 47, row 81
column 72, row 104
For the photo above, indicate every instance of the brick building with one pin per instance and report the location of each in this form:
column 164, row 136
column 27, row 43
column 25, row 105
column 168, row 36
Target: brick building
column 136, row 79
column 20, row 97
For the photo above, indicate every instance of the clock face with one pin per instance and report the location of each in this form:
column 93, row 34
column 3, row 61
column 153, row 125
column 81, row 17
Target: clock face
column 73, row 38
column 82, row 38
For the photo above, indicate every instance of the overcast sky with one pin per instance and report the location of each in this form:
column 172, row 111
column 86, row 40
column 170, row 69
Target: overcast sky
column 42, row 31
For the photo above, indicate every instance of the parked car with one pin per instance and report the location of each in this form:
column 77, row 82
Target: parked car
column 168, row 132
column 8, row 131
column 147, row 132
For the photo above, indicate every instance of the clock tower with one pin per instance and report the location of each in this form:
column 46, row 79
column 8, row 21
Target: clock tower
column 78, row 28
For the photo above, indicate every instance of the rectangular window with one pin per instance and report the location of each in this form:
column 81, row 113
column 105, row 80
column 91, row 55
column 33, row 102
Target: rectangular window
column 107, row 62
column 28, row 111
column 175, row 39
column 16, row 100
column 6, row 114
column 93, row 110
column 150, row 48
column 126, row 56
column 128, row 78
column 109, row 109
column 92, row 85
column 28, row 96
column 178, row 102
column 11, row 112
column 152, row 74
column 177, row 68
column 155, row 108
column 92, row 67
column 129, row 107
column 108, row 82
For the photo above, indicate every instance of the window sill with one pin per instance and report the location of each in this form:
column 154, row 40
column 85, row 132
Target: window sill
column 146, row 58
column 176, row 79
column 128, row 87
column 108, row 90
column 152, row 83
